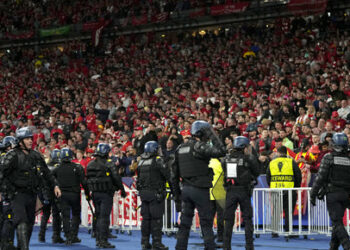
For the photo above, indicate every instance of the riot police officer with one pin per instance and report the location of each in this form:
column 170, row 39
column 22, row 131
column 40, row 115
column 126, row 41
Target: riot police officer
column 192, row 166
column 51, row 203
column 7, row 230
column 70, row 176
column 25, row 171
column 241, row 170
column 103, row 181
column 333, row 180
column 152, row 177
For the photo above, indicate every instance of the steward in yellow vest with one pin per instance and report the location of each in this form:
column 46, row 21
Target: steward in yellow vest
column 283, row 172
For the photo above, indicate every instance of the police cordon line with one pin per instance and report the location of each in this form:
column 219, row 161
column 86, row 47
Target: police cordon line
column 24, row 176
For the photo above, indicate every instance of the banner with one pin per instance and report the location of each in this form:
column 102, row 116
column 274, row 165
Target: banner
column 25, row 35
column 307, row 7
column 159, row 18
column 197, row 13
column 55, row 32
column 136, row 21
column 228, row 8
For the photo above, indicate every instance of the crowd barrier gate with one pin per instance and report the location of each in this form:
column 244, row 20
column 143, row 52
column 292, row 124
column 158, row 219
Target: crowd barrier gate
column 268, row 216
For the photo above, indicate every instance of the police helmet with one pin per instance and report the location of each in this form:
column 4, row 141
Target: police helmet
column 23, row 133
column 102, row 149
column 340, row 141
column 198, row 127
column 66, row 154
column 240, row 142
column 55, row 155
column 151, row 147
column 9, row 141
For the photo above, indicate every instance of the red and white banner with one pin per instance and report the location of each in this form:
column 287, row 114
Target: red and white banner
column 307, row 7
column 136, row 21
column 228, row 8
column 96, row 34
column 197, row 13
column 159, row 18
column 25, row 35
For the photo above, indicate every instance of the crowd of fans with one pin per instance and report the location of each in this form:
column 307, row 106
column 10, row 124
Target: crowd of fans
column 288, row 84
column 28, row 15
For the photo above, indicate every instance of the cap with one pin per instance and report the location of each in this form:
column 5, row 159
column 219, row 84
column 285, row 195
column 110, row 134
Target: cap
column 138, row 128
column 310, row 90
column 335, row 114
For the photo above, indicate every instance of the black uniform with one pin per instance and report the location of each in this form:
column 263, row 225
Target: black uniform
column 49, row 203
column 6, row 217
column 238, row 187
column 26, row 173
column 192, row 166
column 333, row 177
column 103, row 181
column 70, row 176
column 152, row 177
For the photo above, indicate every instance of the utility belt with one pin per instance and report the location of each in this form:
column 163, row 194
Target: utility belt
column 103, row 184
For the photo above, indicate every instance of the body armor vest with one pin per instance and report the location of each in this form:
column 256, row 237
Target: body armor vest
column 25, row 175
column 191, row 166
column 68, row 177
column 150, row 176
column 340, row 174
column 99, row 177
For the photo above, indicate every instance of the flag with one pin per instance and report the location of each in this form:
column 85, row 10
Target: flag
column 96, row 33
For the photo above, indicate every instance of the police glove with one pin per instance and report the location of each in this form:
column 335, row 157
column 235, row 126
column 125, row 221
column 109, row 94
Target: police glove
column 313, row 200
column 123, row 194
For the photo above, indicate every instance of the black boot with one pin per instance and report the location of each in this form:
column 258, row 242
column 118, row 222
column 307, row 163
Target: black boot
column 156, row 227
column 145, row 245
column 22, row 236
column 105, row 244
column 57, row 239
column 75, row 229
column 41, row 236
column 249, row 247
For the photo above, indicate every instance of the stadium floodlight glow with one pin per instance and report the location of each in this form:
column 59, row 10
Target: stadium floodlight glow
column 202, row 32
column 163, row 35
column 8, row 51
column 328, row 14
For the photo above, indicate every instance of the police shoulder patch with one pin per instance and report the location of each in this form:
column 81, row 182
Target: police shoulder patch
column 341, row 161
column 184, row 150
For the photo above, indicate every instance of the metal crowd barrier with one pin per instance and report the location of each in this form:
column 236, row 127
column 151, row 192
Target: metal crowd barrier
column 268, row 215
